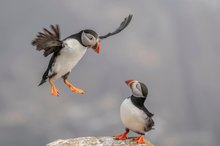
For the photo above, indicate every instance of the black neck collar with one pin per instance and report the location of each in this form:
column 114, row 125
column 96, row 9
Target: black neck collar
column 137, row 101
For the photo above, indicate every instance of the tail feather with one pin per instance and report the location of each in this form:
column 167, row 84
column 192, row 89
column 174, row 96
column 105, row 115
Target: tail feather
column 43, row 81
column 44, row 78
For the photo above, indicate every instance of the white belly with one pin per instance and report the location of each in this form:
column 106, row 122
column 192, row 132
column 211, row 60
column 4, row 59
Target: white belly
column 68, row 58
column 132, row 117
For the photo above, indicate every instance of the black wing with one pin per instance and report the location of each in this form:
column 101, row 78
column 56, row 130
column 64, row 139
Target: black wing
column 49, row 41
column 120, row 28
column 146, row 111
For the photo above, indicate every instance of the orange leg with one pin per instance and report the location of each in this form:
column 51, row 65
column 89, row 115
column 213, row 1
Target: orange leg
column 122, row 136
column 72, row 88
column 54, row 90
column 140, row 139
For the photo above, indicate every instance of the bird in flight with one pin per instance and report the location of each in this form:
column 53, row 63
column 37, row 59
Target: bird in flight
column 68, row 52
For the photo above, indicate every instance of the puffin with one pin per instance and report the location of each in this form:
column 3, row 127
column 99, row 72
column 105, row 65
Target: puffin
column 66, row 53
column 134, row 115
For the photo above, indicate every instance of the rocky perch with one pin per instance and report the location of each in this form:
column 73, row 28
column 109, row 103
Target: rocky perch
column 97, row 141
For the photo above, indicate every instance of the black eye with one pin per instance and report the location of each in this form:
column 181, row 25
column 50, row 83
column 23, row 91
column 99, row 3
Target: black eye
column 91, row 38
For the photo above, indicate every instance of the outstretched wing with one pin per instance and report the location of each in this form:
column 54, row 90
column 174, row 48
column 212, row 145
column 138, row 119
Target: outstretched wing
column 120, row 28
column 48, row 41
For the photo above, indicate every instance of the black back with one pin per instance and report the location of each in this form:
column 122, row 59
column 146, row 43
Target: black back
column 139, row 103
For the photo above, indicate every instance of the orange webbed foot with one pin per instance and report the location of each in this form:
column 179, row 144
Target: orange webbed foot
column 77, row 90
column 73, row 88
column 139, row 140
column 122, row 136
column 54, row 90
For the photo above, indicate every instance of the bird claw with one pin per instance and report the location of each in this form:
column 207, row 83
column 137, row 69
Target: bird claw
column 139, row 140
column 120, row 137
column 74, row 89
column 77, row 90
column 54, row 91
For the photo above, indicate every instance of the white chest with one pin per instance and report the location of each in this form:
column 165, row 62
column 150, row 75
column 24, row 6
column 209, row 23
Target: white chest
column 69, row 56
column 132, row 117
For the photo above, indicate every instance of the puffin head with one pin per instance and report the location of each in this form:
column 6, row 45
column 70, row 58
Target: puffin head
column 138, row 89
column 90, row 39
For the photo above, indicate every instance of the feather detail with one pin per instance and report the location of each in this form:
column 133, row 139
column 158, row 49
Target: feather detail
column 122, row 26
column 49, row 41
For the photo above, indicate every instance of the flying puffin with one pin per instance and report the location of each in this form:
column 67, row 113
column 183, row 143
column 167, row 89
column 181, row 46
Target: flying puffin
column 134, row 115
column 66, row 53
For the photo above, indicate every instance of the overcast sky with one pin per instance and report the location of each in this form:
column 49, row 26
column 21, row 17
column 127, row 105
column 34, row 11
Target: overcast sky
column 171, row 46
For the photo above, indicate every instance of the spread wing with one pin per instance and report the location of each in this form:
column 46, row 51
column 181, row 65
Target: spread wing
column 48, row 41
column 120, row 28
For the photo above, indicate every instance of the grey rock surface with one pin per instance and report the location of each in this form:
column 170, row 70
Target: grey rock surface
column 96, row 141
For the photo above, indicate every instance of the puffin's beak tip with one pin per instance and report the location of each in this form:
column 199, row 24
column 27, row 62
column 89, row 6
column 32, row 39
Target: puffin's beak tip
column 97, row 50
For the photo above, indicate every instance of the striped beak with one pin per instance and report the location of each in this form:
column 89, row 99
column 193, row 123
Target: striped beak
column 97, row 47
column 129, row 82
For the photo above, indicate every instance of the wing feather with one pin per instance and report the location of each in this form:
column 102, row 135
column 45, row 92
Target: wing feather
column 122, row 26
column 48, row 41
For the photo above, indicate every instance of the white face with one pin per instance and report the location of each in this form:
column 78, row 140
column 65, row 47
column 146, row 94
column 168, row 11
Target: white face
column 88, row 40
column 136, row 89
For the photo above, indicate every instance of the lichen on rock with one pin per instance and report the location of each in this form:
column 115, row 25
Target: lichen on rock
column 97, row 141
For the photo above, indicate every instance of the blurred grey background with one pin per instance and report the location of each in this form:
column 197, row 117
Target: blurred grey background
column 171, row 45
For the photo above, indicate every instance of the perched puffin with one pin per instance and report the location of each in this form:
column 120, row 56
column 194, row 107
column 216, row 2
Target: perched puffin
column 67, row 53
column 134, row 115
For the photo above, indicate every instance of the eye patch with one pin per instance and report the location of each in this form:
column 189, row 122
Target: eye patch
column 138, row 86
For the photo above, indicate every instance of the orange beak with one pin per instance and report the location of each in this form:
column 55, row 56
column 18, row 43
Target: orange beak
column 128, row 82
column 97, row 50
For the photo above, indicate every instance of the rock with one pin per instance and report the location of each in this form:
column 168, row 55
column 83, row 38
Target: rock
column 97, row 141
